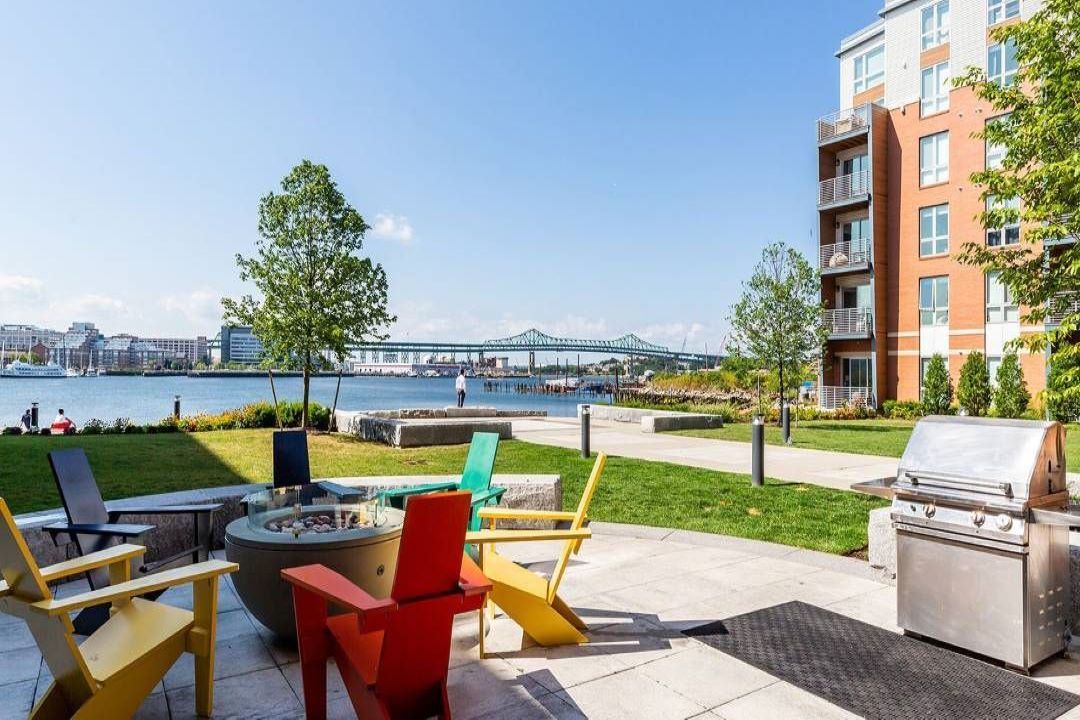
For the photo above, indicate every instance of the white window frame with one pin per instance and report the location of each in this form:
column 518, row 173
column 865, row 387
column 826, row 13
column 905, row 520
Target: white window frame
column 993, row 362
column 936, row 313
column 1000, row 236
column 863, row 79
column 939, row 76
column 1001, row 10
column 995, row 154
column 934, row 243
column 934, row 159
column 937, row 15
column 1003, row 309
column 1006, row 51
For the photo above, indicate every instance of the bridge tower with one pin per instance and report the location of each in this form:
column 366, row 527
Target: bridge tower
column 532, row 362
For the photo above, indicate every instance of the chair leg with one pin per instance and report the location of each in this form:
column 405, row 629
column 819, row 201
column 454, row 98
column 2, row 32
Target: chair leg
column 310, row 610
column 205, row 597
column 204, row 525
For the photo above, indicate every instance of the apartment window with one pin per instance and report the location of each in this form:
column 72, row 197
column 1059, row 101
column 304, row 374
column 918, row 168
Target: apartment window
column 855, row 372
column 934, row 301
column 934, row 230
column 1000, row 304
column 1001, row 63
column 1008, row 234
column 935, row 24
column 993, row 362
column 934, row 158
column 870, row 69
column 935, row 89
column 995, row 154
column 999, row 10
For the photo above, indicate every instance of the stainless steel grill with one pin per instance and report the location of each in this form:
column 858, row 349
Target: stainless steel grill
column 981, row 511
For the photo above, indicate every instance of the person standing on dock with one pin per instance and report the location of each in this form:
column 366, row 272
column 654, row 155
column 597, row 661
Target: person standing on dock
column 459, row 385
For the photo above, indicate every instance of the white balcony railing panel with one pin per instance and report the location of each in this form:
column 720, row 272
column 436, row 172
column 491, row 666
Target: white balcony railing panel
column 843, row 122
column 848, row 321
column 1064, row 306
column 844, row 187
column 831, row 397
column 844, row 254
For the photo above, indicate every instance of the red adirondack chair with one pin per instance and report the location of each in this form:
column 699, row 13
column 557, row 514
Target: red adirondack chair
column 393, row 654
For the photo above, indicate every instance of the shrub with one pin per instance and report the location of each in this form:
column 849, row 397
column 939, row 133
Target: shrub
column 45, row 431
column 1011, row 397
column 134, row 429
column 11, row 431
column 902, row 409
column 119, row 425
column 973, row 391
column 93, row 426
column 937, row 387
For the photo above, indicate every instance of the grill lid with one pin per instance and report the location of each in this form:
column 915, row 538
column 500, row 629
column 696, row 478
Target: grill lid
column 1020, row 460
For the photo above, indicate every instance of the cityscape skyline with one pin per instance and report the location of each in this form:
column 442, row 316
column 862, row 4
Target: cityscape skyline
column 545, row 145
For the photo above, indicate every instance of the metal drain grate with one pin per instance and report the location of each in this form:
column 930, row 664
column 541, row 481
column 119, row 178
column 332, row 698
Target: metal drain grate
column 876, row 673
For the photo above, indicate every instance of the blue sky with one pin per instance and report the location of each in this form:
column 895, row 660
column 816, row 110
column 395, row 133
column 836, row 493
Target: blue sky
column 587, row 168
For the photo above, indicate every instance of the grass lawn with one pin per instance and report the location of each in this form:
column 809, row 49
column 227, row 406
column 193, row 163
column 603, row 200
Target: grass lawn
column 631, row 491
column 864, row 437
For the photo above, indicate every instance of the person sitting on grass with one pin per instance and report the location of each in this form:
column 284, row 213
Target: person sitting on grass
column 62, row 424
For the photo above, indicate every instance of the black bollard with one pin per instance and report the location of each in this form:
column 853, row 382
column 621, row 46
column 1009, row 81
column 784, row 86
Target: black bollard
column 34, row 417
column 586, row 413
column 785, row 421
column 176, row 408
column 757, row 451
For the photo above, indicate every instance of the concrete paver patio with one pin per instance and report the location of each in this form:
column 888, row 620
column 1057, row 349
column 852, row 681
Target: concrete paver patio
column 636, row 587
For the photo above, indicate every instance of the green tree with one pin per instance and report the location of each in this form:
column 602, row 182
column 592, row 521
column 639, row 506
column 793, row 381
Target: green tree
column 318, row 295
column 937, row 389
column 777, row 321
column 1064, row 373
column 1041, row 139
column 1011, row 396
column 973, row 390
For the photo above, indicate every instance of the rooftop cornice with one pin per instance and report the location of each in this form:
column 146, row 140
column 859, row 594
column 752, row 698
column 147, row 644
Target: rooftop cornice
column 869, row 32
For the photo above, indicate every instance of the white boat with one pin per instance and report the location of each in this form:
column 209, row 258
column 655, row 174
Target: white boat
column 20, row 369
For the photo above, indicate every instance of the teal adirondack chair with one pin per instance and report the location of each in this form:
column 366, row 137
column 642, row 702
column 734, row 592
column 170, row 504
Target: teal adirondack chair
column 476, row 479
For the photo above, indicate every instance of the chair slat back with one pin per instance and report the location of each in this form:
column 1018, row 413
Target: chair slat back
column 78, row 490
column 480, row 462
column 52, row 634
column 577, row 523
column 432, row 540
column 291, row 466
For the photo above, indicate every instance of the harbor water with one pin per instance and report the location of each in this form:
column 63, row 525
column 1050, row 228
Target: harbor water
column 147, row 399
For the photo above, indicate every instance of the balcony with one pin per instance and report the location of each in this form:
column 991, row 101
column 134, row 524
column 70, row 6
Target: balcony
column 848, row 323
column 844, row 126
column 844, row 257
column 1065, row 305
column 844, row 190
column 832, row 397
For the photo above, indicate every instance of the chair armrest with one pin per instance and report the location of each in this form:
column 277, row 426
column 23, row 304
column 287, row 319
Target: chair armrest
column 140, row 586
column 164, row 510
column 419, row 489
column 485, row 496
column 339, row 590
column 504, row 513
column 91, row 561
column 472, row 580
column 342, row 492
column 120, row 530
column 481, row 537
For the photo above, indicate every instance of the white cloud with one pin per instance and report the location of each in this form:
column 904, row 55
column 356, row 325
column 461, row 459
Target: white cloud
column 20, row 288
column 200, row 309
column 393, row 227
column 25, row 299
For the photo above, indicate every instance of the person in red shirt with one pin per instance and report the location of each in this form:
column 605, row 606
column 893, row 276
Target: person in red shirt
column 62, row 424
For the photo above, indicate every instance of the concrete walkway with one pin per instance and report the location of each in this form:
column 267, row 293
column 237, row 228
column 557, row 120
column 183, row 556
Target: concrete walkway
column 818, row 467
column 636, row 587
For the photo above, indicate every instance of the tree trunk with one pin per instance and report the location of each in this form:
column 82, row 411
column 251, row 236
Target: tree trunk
column 780, row 417
column 307, row 390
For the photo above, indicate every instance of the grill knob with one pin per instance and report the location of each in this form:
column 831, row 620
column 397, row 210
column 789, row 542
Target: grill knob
column 978, row 517
column 929, row 510
column 1004, row 521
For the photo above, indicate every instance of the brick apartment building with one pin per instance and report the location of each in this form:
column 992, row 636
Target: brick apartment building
column 896, row 202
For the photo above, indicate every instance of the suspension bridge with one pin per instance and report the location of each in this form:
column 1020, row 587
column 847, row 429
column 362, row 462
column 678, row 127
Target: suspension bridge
column 531, row 341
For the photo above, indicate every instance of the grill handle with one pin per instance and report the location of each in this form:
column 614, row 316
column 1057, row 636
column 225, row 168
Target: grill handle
column 961, row 483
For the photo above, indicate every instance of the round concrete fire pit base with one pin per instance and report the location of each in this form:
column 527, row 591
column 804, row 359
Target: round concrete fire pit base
column 367, row 556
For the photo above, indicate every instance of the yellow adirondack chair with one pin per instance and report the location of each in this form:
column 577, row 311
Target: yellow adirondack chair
column 532, row 600
column 113, row 670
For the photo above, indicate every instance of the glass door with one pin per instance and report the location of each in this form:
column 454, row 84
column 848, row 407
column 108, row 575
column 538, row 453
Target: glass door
column 855, row 372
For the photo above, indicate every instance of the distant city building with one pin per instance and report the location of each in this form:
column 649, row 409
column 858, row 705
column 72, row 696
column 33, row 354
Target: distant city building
column 189, row 350
column 18, row 338
column 238, row 344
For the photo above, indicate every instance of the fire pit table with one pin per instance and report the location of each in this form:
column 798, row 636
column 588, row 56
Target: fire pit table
column 344, row 528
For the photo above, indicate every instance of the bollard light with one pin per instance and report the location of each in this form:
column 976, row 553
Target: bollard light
column 785, row 421
column 757, row 451
column 176, row 407
column 586, row 413
column 34, row 417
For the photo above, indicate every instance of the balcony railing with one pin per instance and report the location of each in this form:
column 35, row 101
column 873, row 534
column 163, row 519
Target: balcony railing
column 844, row 254
column 848, row 322
column 843, row 122
column 1065, row 305
column 843, row 188
column 831, row 397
